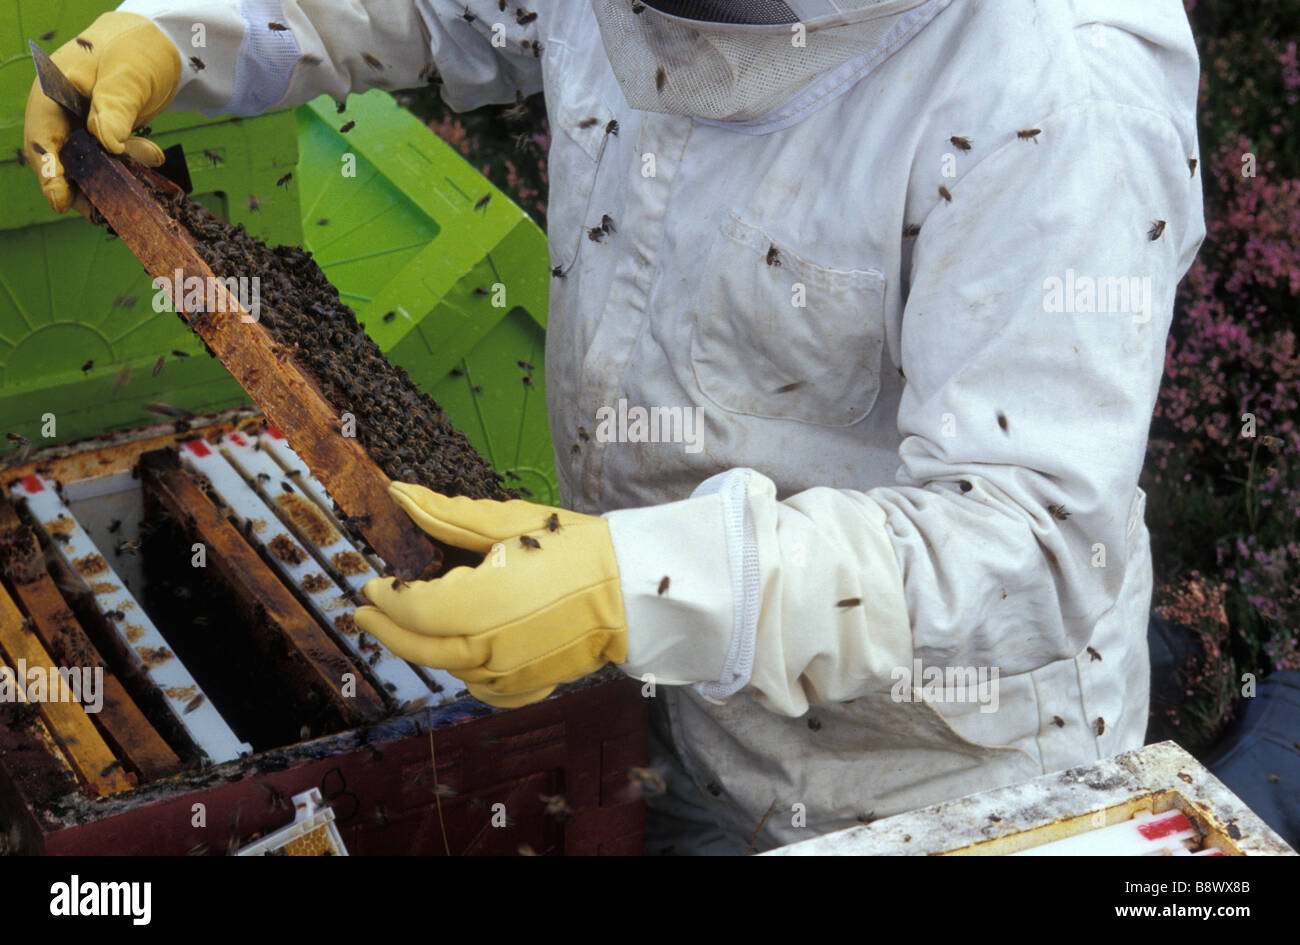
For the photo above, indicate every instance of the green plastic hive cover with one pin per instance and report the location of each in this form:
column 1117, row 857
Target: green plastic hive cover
column 80, row 339
column 453, row 288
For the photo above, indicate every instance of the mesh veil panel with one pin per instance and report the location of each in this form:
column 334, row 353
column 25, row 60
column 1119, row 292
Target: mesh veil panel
column 727, row 11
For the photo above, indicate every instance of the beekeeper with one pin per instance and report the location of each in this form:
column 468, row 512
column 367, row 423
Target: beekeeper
column 858, row 316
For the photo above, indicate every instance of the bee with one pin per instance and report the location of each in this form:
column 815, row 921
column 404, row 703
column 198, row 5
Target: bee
column 537, row 50
column 1058, row 721
column 575, row 449
column 125, row 301
column 583, row 434
column 1002, row 422
column 114, row 526
column 637, row 7
column 199, row 849
column 123, row 376
column 557, row 272
column 28, row 625
column 964, row 486
column 523, row 18
column 20, row 157
column 398, row 584
column 483, row 201
column 284, row 180
column 611, row 126
column 1157, row 230
column 340, row 106
column 789, row 388
column 849, row 602
column 85, row 44
column 960, row 143
column 254, row 203
column 911, row 231
column 595, row 234
column 661, row 78
column 197, row 63
column 345, row 128
column 48, row 35
column 528, row 541
column 88, row 366
column 158, row 366
column 814, row 723
column 1096, row 657
column 516, row 112
column 372, row 62
column 1029, row 134
column 18, row 438
column 524, row 365
column 553, row 522
column 129, row 546
column 557, row 807
column 501, row 5
column 115, row 615
column 1058, row 512
column 177, row 353
column 945, row 193
column 275, row 798
column 304, row 733
column 389, row 316
column 607, row 223
column 307, row 59
column 526, row 849
column 589, row 122
column 1100, row 727
column 1191, row 165
column 773, row 257
column 663, row 585
column 193, row 704
column 647, row 780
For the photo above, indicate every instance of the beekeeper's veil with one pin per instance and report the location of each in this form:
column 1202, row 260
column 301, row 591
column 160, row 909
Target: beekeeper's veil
column 736, row 60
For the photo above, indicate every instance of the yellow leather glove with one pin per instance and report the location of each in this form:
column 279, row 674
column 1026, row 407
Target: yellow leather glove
column 130, row 70
column 545, row 607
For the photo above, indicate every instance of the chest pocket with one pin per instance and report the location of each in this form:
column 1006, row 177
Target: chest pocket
column 780, row 337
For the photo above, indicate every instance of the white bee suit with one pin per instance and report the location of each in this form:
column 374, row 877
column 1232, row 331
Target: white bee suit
column 912, row 447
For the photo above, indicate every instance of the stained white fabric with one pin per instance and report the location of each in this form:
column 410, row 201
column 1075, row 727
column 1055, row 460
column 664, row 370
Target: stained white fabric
column 939, row 359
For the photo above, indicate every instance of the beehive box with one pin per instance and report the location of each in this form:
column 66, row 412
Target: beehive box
column 436, row 773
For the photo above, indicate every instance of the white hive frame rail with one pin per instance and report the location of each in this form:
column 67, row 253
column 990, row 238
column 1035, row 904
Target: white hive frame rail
column 201, row 722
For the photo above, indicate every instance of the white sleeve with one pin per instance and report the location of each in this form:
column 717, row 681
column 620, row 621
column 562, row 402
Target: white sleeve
column 1024, row 423
column 235, row 58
